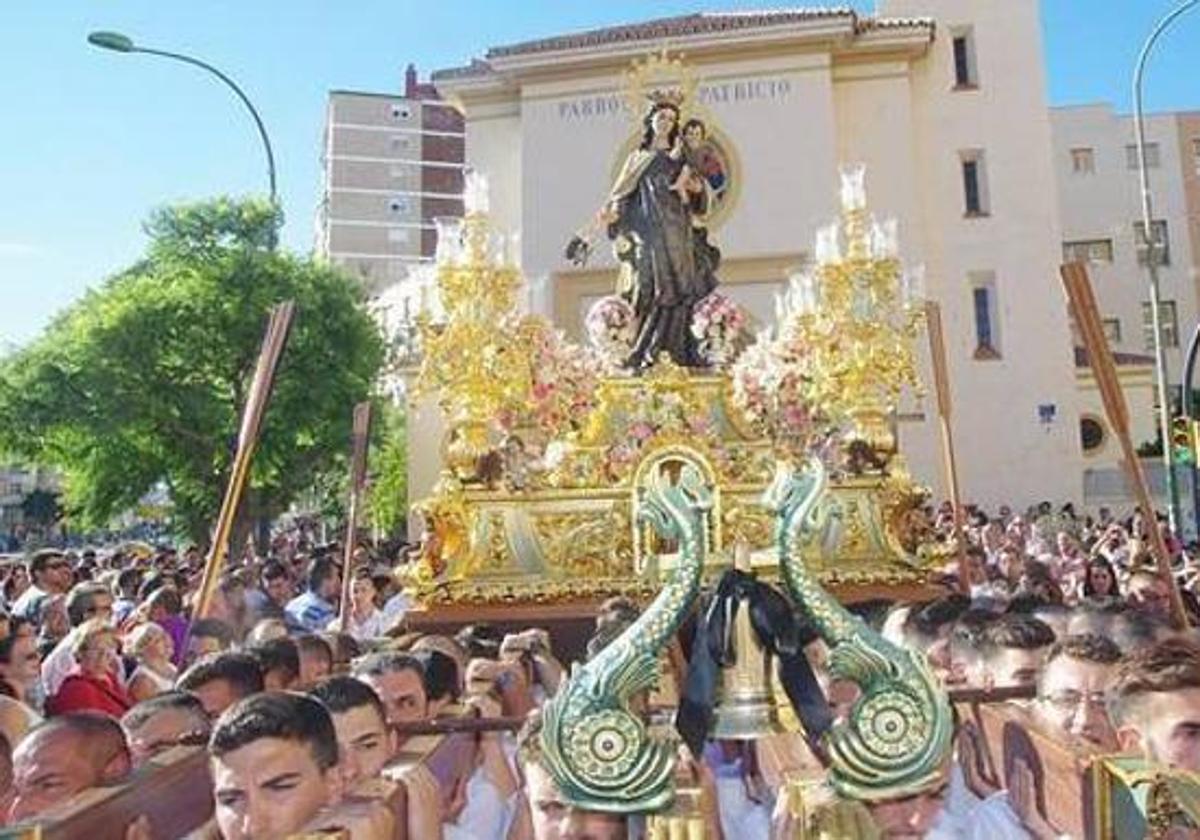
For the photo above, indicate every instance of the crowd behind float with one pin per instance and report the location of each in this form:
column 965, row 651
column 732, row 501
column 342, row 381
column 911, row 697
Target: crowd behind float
column 303, row 718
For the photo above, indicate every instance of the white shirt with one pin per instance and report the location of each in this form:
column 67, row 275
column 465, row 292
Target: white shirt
column 967, row 817
column 371, row 627
column 59, row 664
column 486, row 816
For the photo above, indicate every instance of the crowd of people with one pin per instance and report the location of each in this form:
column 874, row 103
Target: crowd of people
column 103, row 668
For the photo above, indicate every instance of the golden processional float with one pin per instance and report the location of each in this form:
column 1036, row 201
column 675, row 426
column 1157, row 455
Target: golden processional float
column 673, row 453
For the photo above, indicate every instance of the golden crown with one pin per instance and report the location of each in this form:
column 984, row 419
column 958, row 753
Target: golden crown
column 667, row 97
column 660, row 79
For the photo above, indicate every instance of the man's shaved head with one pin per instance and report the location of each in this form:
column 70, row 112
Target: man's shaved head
column 64, row 755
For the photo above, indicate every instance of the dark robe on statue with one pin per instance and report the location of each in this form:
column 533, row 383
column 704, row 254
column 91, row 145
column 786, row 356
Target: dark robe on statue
column 666, row 279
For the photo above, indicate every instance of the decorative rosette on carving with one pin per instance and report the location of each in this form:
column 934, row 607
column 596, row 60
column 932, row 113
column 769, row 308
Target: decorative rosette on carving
column 896, row 739
column 598, row 751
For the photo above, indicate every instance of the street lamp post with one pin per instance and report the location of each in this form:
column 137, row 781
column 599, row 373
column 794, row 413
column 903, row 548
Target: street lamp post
column 1149, row 240
column 117, row 42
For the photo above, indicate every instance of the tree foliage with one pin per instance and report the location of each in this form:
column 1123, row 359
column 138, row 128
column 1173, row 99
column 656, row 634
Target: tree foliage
column 387, row 496
column 144, row 378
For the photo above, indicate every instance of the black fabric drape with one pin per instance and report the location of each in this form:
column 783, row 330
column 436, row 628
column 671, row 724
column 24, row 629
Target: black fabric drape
column 778, row 629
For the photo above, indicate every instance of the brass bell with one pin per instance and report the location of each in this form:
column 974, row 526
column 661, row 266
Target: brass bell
column 746, row 698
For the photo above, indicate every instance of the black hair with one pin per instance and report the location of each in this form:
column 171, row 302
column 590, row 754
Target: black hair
column 695, row 123
column 319, row 571
column 41, row 559
column 1018, row 632
column 283, row 715
column 481, row 641
column 81, row 600
column 241, row 670
column 278, row 655
column 648, row 125
column 1089, row 591
column 441, row 675
column 213, row 628
column 174, row 700
column 128, row 581
column 926, row 620
column 342, row 693
column 273, row 570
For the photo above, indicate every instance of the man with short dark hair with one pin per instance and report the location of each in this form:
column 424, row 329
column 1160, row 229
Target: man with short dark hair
column 50, row 572
column 360, row 720
column 280, row 663
column 165, row 720
column 207, row 636
column 269, row 599
column 274, row 761
column 221, row 680
column 1072, row 689
column 317, row 606
column 1010, row 651
column 65, row 755
column 399, row 680
column 1155, row 703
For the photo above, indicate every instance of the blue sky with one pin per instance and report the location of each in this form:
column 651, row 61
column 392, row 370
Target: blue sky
column 93, row 140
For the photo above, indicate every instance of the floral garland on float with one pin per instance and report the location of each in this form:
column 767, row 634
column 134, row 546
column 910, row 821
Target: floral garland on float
column 719, row 325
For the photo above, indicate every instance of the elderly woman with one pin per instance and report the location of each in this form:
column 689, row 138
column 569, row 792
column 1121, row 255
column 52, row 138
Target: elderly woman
column 151, row 646
column 93, row 685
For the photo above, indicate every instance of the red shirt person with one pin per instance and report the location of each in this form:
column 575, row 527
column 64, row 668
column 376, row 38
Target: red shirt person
column 92, row 686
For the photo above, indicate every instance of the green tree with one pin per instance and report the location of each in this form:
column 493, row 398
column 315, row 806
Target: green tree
column 143, row 379
column 387, row 495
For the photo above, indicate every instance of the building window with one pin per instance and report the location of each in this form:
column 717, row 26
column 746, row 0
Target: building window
column 966, row 74
column 1162, row 242
column 401, row 143
column 974, row 177
column 1112, row 330
column 1170, row 324
column 1083, row 161
column 983, row 299
column 399, row 204
column 1088, row 250
column 400, row 111
column 1091, row 434
column 1152, row 156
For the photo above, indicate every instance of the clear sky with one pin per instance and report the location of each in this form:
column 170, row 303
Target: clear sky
column 93, row 140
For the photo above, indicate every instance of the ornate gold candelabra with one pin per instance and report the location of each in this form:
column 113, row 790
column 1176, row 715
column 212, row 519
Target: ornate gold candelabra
column 855, row 314
column 474, row 356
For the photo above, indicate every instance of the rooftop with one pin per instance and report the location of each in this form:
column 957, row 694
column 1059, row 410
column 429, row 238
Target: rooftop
column 699, row 23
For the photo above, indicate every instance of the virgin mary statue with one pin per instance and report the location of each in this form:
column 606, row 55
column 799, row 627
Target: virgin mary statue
column 650, row 214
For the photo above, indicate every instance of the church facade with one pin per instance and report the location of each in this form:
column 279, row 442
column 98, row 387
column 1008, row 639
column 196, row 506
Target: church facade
column 944, row 102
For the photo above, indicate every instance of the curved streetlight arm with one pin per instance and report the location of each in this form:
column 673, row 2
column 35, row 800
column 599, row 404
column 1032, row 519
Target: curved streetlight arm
column 1150, row 244
column 1138, row 114
column 262, row 130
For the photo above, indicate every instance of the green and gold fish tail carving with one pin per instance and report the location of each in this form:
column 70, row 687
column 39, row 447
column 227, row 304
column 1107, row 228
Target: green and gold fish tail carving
column 600, row 753
column 896, row 739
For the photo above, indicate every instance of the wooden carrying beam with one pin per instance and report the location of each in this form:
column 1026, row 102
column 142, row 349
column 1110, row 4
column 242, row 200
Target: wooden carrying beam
column 941, row 384
column 1087, row 318
column 274, row 340
column 360, row 438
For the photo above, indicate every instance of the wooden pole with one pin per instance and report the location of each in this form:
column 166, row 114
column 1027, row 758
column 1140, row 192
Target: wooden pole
column 274, row 340
column 358, row 474
column 941, row 383
column 1087, row 318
